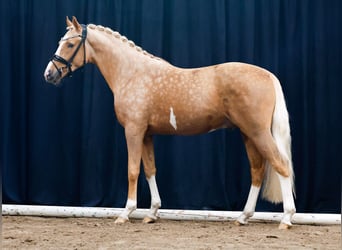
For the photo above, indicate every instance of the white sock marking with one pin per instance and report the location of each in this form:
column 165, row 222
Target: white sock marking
column 155, row 199
column 288, row 201
column 131, row 205
column 249, row 209
column 252, row 199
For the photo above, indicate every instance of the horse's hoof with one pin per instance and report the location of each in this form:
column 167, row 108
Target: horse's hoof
column 149, row 220
column 238, row 223
column 120, row 220
column 283, row 226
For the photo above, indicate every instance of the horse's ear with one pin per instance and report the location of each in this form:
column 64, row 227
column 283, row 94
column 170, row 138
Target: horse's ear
column 76, row 24
column 68, row 22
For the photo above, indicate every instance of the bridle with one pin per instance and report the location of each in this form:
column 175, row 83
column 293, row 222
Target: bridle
column 68, row 63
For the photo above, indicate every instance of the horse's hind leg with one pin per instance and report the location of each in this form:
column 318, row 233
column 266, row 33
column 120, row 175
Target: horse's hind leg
column 257, row 165
column 268, row 148
column 150, row 173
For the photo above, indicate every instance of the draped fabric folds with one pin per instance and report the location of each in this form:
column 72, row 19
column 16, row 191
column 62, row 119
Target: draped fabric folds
column 64, row 146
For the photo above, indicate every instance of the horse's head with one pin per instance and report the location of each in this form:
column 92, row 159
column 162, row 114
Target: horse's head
column 68, row 56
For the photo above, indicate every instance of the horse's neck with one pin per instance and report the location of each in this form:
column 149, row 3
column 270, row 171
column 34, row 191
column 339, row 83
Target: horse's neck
column 117, row 60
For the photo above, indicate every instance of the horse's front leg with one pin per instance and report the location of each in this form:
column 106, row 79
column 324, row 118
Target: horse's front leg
column 134, row 137
column 150, row 173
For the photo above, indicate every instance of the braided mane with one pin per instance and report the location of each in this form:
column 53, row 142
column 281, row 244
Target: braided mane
column 124, row 39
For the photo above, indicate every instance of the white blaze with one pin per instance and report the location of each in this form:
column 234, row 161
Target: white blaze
column 173, row 119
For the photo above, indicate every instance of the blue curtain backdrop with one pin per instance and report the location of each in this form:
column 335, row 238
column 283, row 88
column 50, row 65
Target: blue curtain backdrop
column 64, row 146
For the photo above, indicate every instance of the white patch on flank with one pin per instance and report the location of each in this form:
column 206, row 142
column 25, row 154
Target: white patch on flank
column 173, row 119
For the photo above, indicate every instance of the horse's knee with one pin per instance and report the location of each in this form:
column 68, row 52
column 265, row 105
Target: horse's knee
column 133, row 175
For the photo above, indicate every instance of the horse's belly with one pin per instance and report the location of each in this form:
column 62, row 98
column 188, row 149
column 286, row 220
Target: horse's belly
column 188, row 124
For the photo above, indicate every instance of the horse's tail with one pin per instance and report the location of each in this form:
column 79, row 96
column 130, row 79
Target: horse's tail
column 282, row 138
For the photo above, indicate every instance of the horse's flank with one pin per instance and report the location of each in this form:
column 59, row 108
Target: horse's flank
column 196, row 100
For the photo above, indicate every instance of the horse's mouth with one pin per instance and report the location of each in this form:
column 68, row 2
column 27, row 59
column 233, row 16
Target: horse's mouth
column 55, row 82
column 58, row 83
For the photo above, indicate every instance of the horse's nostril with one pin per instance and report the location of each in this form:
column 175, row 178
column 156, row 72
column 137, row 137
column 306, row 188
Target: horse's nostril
column 48, row 75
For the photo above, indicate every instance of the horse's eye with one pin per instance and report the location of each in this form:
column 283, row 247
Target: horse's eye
column 70, row 45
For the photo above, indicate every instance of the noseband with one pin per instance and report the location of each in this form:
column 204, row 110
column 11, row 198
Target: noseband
column 68, row 63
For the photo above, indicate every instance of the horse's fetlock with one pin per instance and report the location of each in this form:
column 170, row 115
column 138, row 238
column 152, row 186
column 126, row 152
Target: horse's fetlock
column 248, row 214
column 156, row 204
column 131, row 205
column 133, row 175
column 290, row 211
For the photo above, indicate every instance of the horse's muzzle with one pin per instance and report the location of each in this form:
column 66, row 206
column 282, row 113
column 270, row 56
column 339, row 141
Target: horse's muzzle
column 52, row 76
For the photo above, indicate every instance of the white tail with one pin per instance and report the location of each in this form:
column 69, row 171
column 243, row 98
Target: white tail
column 282, row 137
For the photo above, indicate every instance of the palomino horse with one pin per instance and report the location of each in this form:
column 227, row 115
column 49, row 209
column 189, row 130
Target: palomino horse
column 152, row 96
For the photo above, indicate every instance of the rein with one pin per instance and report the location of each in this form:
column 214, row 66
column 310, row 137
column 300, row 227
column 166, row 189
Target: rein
column 68, row 63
